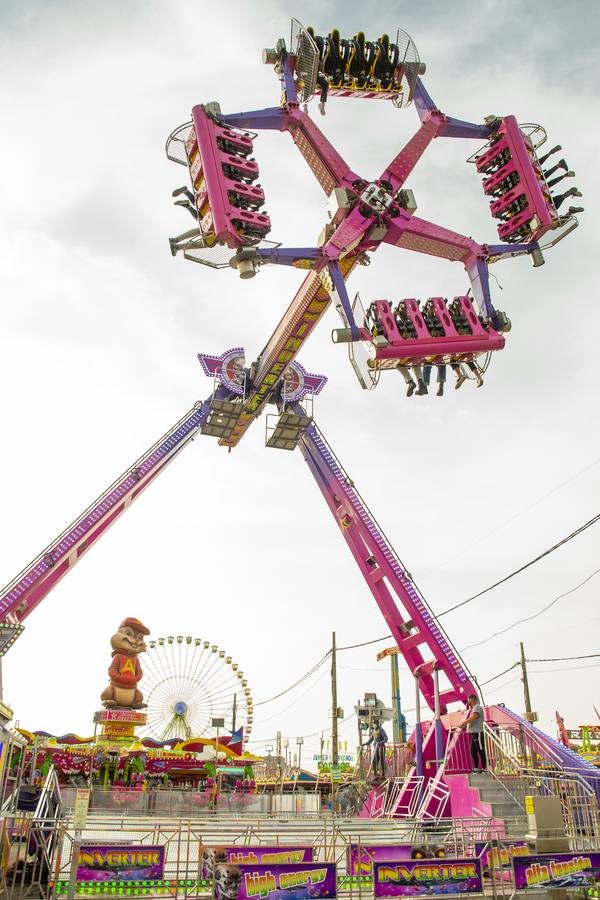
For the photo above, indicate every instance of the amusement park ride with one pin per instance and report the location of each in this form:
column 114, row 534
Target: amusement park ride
column 225, row 199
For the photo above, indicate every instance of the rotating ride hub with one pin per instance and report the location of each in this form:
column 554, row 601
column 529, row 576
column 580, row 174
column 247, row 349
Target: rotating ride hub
column 225, row 199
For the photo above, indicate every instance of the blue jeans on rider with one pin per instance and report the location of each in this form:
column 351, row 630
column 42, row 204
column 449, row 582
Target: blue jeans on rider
column 441, row 373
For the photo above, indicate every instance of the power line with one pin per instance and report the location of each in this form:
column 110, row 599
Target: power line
column 540, row 671
column 262, row 741
column 522, row 568
column 565, row 669
column 517, row 515
column 328, row 728
column 505, row 684
column 298, row 699
column 296, row 683
column 366, row 643
column 534, row 615
column 499, row 675
column 565, row 658
column 358, row 669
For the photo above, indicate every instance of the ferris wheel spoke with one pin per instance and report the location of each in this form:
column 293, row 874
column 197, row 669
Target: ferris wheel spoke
column 226, row 695
column 201, row 690
column 220, row 673
column 198, row 661
column 187, row 656
column 212, row 669
column 223, row 698
column 179, row 668
column 218, row 687
column 207, row 663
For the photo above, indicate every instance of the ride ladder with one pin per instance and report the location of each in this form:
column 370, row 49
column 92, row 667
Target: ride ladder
column 436, row 795
column 421, row 640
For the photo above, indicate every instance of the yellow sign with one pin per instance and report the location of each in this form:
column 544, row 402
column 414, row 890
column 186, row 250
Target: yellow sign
column 389, row 651
column 305, row 310
column 529, row 809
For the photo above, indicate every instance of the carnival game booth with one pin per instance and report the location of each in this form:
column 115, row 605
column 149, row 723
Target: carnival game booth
column 141, row 776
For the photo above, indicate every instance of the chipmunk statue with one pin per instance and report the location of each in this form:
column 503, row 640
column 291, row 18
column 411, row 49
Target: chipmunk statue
column 125, row 671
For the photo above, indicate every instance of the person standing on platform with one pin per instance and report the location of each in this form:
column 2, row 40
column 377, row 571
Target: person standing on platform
column 474, row 726
column 379, row 740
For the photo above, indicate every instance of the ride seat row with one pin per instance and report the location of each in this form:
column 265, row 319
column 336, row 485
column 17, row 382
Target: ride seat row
column 513, row 178
column 223, row 175
column 440, row 330
column 358, row 64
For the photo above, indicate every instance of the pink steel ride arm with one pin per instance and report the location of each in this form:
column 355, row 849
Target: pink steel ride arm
column 296, row 325
column 19, row 598
column 421, row 640
column 325, row 162
column 405, row 161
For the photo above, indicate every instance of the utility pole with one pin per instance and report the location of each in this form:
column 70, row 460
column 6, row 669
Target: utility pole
column 234, row 714
column 334, row 705
column 278, row 752
column 529, row 714
column 399, row 720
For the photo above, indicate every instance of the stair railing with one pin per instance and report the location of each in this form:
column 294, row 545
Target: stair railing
column 436, row 795
column 520, row 778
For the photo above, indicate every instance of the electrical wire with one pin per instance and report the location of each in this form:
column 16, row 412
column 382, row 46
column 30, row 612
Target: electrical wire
column 534, row 615
column 506, row 683
column 387, row 637
column 543, row 671
column 522, row 568
column 565, row 669
column 499, row 675
column 357, row 669
column 564, row 658
column 483, row 537
column 328, row 728
column 297, row 700
column 296, row 683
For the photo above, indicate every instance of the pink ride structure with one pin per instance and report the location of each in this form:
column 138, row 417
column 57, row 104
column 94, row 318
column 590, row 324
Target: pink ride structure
column 215, row 149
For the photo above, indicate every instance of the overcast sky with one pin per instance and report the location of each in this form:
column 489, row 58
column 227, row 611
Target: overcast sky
column 100, row 329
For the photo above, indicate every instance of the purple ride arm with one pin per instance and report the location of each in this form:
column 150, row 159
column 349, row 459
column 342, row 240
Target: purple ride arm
column 20, row 597
column 451, row 127
column 421, row 236
column 386, row 576
column 433, row 124
column 328, row 167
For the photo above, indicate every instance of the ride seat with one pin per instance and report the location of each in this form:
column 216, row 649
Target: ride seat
column 515, row 179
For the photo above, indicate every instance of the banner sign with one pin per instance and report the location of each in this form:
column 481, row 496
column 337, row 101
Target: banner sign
column 302, row 881
column 557, row 870
column 498, row 854
column 132, row 716
column 120, row 862
column 80, row 813
column 432, row 877
column 274, row 855
column 360, row 857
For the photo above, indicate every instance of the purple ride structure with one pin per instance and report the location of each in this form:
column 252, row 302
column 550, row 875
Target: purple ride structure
column 225, row 200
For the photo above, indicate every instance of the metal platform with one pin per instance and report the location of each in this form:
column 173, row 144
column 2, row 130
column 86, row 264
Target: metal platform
column 222, row 418
column 288, row 431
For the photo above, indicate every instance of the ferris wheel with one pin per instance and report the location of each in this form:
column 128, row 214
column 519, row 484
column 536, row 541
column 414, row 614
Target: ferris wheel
column 187, row 683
